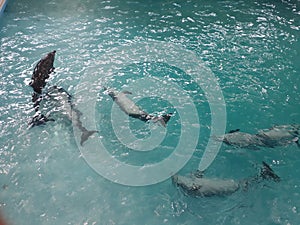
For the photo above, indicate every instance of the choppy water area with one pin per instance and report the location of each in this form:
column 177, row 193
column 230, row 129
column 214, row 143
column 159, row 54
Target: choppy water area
column 251, row 47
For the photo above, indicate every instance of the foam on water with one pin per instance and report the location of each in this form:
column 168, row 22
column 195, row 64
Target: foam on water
column 251, row 47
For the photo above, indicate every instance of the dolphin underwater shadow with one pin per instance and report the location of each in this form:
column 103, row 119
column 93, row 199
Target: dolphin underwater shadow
column 59, row 101
column 56, row 98
column 133, row 110
column 280, row 135
column 197, row 186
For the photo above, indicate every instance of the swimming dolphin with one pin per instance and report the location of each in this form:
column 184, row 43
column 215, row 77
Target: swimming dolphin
column 197, row 186
column 241, row 139
column 276, row 136
column 280, row 135
column 58, row 100
column 41, row 72
column 132, row 110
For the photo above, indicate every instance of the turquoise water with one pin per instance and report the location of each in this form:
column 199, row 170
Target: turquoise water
column 252, row 48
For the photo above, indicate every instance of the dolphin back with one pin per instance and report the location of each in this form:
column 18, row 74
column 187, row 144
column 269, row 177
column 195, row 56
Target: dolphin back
column 203, row 187
column 41, row 72
column 162, row 119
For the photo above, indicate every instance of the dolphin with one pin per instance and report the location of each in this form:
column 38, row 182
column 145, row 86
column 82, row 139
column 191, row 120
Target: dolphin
column 132, row 110
column 241, row 140
column 58, row 100
column 276, row 136
column 280, row 135
column 198, row 186
column 41, row 72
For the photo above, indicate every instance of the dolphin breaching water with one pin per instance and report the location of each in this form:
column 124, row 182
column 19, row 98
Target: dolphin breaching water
column 41, row 72
column 197, row 186
column 132, row 110
column 280, row 135
column 55, row 100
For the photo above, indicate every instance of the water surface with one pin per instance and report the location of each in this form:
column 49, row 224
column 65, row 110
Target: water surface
column 253, row 49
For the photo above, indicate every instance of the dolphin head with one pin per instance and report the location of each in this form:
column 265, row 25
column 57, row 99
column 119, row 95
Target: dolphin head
column 181, row 181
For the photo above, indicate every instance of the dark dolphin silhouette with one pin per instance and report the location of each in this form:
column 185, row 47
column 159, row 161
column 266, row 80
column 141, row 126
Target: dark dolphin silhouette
column 41, row 72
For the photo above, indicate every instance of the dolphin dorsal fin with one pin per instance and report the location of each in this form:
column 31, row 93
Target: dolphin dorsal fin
column 127, row 92
column 233, row 131
column 296, row 140
column 199, row 174
column 267, row 173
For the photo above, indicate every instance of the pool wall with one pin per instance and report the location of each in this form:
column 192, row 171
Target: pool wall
column 2, row 6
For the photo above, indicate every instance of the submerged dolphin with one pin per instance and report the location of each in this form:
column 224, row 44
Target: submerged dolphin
column 198, row 186
column 59, row 100
column 132, row 110
column 276, row 136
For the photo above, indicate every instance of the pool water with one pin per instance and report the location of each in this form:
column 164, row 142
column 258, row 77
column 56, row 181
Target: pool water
column 252, row 48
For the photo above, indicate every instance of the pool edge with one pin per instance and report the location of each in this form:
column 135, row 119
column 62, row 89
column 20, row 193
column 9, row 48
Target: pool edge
column 3, row 4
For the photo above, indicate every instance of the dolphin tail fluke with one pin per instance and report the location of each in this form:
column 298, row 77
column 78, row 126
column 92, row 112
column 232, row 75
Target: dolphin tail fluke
column 296, row 140
column 268, row 174
column 86, row 134
column 164, row 119
column 174, row 179
column 217, row 138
